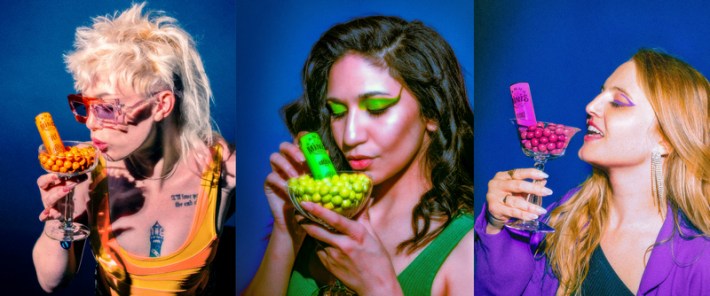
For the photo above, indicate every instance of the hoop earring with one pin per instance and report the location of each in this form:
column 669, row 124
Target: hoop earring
column 657, row 177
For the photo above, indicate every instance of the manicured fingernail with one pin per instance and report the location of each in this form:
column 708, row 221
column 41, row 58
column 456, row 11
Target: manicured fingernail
column 540, row 211
column 531, row 216
column 546, row 191
column 307, row 205
column 544, row 175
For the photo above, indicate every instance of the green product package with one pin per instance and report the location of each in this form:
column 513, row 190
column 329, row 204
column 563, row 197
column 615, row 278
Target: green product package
column 316, row 156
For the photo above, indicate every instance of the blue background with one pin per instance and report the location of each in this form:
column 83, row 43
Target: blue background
column 35, row 35
column 565, row 50
column 274, row 40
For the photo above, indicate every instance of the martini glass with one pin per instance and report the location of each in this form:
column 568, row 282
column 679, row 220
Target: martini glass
column 542, row 142
column 83, row 157
column 347, row 193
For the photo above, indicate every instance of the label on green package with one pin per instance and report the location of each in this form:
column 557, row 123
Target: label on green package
column 317, row 156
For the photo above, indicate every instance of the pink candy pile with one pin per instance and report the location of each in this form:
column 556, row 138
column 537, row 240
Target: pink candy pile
column 545, row 137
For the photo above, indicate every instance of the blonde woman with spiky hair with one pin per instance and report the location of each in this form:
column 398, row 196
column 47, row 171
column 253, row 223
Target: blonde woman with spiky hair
column 156, row 203
column 640, row 225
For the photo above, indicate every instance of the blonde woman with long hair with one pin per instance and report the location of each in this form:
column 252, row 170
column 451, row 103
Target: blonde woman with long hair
column 640, row 225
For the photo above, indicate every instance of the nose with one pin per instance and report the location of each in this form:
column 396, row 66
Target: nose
column 595, row 108
column 355, row 128
column 92, row 123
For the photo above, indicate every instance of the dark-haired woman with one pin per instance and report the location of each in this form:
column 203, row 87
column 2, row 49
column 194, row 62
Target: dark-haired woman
column 388, row 98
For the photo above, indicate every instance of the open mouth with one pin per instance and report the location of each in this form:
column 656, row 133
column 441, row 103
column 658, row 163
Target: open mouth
column 594, row 131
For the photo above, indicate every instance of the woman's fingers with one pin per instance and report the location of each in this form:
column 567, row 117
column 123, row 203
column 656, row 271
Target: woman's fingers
column 505, row 182
column 293, row 152
column 518, row 207
column 341, row 224
column 45, row 181
column 281, row 166
column 288, row 162
column 276, row 184
column 526, row 173
column 508, row 191
column 57, row 193
column 49, row 214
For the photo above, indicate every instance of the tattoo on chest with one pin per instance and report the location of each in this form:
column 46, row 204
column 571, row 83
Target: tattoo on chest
column 156, row 239
column 184, row 200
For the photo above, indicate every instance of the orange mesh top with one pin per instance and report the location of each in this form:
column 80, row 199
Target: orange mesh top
column 184, row 272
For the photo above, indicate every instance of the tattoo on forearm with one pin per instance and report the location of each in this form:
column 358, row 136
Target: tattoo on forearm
column 184, row 200
column 156, row 239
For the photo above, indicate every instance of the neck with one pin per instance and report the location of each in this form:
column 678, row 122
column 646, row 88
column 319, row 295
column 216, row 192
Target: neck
column 632, row 200
column 396, row 197
column 159, row 154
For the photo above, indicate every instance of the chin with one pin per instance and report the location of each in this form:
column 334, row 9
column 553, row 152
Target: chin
column 112, row 156
column 587, row 156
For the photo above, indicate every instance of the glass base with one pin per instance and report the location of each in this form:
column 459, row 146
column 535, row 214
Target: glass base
column 532, row 226
column 57, row 231
column 335, row 290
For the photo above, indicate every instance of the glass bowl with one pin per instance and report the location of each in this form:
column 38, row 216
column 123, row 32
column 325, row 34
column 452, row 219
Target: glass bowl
column 345, row 193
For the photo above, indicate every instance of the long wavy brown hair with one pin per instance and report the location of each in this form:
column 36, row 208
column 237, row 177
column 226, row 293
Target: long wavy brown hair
column 419, row 58
column 679, row 97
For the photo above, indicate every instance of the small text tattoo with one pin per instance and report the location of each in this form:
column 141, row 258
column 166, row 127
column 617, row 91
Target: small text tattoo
column 184, row 200
column 156, row 239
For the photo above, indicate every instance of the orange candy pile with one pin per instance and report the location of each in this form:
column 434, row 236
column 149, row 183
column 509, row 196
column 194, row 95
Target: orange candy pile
column 73, row 159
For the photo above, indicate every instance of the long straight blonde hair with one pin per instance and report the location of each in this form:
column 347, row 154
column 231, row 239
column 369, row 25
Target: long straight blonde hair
column 679, row 97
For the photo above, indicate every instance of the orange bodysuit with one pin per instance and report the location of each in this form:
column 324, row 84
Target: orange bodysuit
column 184, row 272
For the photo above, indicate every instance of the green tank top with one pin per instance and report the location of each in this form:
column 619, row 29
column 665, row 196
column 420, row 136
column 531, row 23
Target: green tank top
column 416, row 279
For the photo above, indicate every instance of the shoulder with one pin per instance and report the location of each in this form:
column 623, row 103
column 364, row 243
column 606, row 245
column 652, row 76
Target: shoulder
column 229, row 163
column 458, row 267
column 689, row 243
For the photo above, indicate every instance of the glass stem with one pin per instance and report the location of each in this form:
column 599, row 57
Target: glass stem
column 69, row 211
column 533, row 198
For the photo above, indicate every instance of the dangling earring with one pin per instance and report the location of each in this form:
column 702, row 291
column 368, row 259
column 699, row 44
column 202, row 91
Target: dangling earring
column 657, row 177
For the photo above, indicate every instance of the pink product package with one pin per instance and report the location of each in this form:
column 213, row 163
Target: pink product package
column 522, row 103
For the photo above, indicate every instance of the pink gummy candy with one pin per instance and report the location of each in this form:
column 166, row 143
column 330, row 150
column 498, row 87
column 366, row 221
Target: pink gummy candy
column 548, row 138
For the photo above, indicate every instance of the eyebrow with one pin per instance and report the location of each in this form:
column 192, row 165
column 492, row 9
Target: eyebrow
column 364, row 95
column 101, row 96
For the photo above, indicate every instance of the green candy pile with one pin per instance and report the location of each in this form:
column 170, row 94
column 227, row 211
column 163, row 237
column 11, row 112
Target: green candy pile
column 342, row 193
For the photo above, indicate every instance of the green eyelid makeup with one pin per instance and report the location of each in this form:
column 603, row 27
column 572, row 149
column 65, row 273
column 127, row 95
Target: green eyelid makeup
column 337, row 108
column 377, row 104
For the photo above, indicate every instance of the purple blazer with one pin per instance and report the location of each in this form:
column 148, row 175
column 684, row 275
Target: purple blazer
column 505, row 265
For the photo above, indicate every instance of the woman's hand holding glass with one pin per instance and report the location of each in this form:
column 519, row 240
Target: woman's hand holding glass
column 353, row 253
column 53, row 189
column 506, row 196
column 288, row 163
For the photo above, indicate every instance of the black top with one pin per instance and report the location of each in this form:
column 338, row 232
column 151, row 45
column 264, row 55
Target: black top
column 602, row 279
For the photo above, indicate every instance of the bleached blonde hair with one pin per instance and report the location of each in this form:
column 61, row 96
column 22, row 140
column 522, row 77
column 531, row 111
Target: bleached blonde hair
column 147, row 53
column 679, row 97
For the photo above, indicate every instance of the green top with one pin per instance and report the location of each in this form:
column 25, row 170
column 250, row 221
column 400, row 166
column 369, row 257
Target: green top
column 415, row 279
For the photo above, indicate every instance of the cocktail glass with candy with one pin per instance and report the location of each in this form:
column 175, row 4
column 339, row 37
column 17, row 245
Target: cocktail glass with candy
column 543, row 141
column 78, row 158
column 346, row 193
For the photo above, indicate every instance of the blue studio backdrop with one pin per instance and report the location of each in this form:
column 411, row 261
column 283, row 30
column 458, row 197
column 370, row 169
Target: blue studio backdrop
column 36, row 34
column 565, row 50
column 274, row 38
